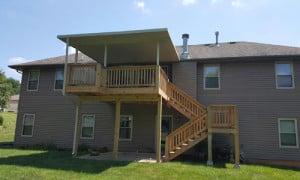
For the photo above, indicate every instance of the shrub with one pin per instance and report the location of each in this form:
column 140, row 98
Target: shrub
column 1, row 120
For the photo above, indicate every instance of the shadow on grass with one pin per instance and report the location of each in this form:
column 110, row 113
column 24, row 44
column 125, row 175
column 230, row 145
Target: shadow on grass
column 60, row 160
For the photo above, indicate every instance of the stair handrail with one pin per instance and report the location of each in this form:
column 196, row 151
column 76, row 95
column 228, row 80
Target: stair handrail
column 188, row 130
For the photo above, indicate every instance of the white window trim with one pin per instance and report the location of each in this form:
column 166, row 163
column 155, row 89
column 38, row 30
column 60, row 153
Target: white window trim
column 131, row 129
column 56, row 79
column 81, row 137
column 219, row 76
column 296, row 132
column 22, row 135
column 38, row 81
column 293, row 77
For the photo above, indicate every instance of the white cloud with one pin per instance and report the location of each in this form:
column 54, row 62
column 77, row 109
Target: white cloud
column 238, row 3
column 17, row 60
column 215, row 1
column 141, row 6
column 188, row 2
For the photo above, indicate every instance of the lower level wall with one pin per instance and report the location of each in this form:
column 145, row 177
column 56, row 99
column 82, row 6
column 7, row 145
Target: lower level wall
column 55, row 119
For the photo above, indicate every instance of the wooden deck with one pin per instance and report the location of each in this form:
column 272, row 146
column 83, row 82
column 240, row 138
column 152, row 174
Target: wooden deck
column 150, row 83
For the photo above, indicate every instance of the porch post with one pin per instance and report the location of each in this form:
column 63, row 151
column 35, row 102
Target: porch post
column 158, row 129
column 117, row 129
column 209, row 137
column 76, row 56
column 157, row 53
column 76, row 130
column 65, row 67
column 236, row 141
column 105, row 56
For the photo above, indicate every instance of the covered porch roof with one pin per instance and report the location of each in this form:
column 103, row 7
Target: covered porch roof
column 131, row 47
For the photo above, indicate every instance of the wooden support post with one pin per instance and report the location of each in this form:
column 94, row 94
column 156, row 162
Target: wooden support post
column 209, row 137
column 76, row 56
column 76, row 128
column 117, row 129
column 66, row 67
column 236, row 140
column 157, row 53
column 158, row 129
column 105, row 56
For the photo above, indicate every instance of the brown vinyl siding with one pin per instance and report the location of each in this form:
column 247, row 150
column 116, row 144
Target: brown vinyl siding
column 248, row 84
column 252, row 87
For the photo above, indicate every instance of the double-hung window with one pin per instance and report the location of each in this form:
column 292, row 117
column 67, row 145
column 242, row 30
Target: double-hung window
column 87, row 126
column 59, row 79
column 28, row 123
column 211, row 77
column 126, row 127
column 284, row 75
column 288, row 135
column 33, row 80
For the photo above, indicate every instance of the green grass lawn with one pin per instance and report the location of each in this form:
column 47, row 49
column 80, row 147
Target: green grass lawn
column 7, row 131
column 41, row 164
column 37, row 164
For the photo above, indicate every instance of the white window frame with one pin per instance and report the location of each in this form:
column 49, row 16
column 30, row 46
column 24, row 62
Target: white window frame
column 56, row 79
column 296, row 132
column 219, row 76
column 292, row 69
column 38, row 81
column 22, row 135
column 131, row 128
column 93, row 134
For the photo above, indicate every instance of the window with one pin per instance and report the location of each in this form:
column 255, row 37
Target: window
column 87, row 126
column 284, row 75
column 28, row 123
column 33, row 80
column 59, row 79
column 126, row 127
column 288, row 135
column 211, row 77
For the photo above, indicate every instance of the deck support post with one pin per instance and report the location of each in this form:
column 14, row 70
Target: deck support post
column 209, row 149
column 236, row 141
column 66, row 66
column 158, row 129
column 76, row 128
column 209, row 137
column 157, row 53
column 76, row 56
column 117, row 129
column 105, row 56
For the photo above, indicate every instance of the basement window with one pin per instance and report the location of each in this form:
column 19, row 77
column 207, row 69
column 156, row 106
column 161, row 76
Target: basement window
column 87, row 126
column 126, row 128
column 284, row 75
column 211, row 77
column 28, row 123
column 288, row 133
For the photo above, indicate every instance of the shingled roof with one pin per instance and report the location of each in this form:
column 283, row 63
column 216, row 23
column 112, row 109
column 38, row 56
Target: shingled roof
column 197, row 52
column 239, row 49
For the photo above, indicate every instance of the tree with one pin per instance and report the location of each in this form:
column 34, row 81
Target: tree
column 15, row 84
column 8, row 87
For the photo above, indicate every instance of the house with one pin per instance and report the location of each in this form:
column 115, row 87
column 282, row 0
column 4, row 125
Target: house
column 13, row 103
column 129, row 91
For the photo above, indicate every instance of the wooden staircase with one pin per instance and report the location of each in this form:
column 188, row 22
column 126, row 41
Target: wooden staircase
column 190, row 133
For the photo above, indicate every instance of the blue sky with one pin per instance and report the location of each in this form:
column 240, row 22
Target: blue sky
column 29, row 28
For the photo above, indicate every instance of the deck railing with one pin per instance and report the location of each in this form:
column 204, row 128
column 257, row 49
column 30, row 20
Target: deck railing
column 112, row 77
column 222, row 116
column 131, row 76
column 82, row 74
